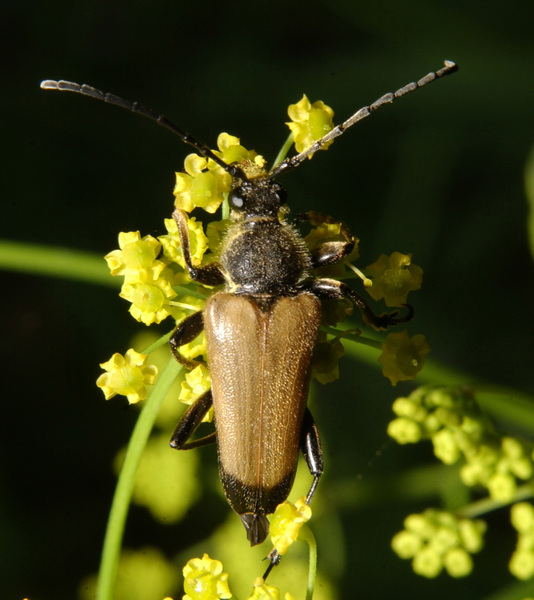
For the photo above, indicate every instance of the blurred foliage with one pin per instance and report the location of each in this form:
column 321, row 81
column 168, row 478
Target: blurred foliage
column 440, row 174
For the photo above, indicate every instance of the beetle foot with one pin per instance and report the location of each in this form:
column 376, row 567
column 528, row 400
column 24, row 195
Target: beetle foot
column 274, row 559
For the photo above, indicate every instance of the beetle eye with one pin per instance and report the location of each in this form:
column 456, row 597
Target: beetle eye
column 235, row 198
column 281, row 192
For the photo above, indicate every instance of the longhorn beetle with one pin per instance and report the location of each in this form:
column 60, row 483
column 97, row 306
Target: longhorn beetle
column 262, row 327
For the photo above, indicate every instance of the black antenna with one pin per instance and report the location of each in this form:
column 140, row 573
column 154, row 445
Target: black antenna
column 135, row 107
column 290, row 163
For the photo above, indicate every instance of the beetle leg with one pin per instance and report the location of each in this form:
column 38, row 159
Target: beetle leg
column 190, row 420
column 331, row 288
column 184, row 333
column 329, row 252
column 209, row 274
column 310, row 444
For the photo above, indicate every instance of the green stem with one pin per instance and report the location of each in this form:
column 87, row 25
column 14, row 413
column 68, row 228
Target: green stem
column 284, row 150
column 123, row 492
column 306, row 535
column 55, row 261
column 486, row 505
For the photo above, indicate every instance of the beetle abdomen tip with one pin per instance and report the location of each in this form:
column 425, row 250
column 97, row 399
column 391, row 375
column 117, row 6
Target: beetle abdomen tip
column 257, row 527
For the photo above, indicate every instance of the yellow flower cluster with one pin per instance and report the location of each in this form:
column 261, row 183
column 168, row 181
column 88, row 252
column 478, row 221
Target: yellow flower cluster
column 204, row 578
column 458, row 429
column 157, row 284
column 522, row 561
column 438, row 540
column 153, row 268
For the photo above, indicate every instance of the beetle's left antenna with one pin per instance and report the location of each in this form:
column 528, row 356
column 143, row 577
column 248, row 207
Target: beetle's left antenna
column 290, row 163
column 135, row 107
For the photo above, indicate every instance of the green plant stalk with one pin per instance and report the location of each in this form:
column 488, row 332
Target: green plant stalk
column 513, row 407
column 55, row 261
column 306, row 535
column 485, row 505
column 284, row 150
column 123, row 492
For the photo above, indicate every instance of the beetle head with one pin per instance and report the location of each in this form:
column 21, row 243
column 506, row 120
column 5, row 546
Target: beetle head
column 252, row 198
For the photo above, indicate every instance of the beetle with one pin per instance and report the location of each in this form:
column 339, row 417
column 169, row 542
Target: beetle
column 262, row 326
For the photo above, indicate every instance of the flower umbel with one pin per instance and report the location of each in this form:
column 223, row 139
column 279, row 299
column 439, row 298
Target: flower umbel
column 127, row 375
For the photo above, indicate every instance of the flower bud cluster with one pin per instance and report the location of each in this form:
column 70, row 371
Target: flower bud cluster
column 437, row 540
column 451, row 418
column 522, row 561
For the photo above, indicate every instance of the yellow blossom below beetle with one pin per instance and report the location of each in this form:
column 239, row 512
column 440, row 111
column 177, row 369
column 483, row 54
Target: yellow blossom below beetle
column 286, row 522
column 204, row 579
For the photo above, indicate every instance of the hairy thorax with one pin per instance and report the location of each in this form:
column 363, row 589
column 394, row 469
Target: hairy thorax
column 264, row 257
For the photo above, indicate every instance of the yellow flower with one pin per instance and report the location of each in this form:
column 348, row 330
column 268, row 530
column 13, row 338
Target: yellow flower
column 286, row 522
column 393, row 278
column 328, row 232
column 172, row 247
column 262, row 591
column 136, row 259
column 326, row 355
column 149, row 300
column 231, row 151
column 403, row 356
column 204, row 579
column 522, row 517
column 309, row 122
column 204, row 182
column 405, row 431
column 522, row 564
column 127, row 375
column 502, row 487
column 200, row 187
column 196, row 383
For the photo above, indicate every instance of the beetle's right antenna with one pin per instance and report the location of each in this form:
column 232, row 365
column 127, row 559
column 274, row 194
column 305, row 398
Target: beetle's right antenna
column 135, row 107
column 290, row 163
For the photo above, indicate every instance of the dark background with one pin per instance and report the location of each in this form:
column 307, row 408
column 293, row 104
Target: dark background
column 438, row 174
